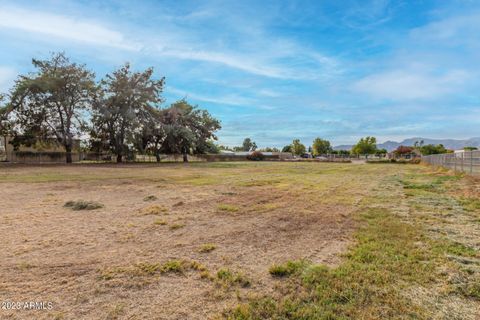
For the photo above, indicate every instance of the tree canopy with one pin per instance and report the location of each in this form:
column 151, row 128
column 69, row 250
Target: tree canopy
column 123, row 107
column 321, row 146
column 365, row 146
column 429, row 149
column 50, row 103
column 122, row 113
column 298, row 148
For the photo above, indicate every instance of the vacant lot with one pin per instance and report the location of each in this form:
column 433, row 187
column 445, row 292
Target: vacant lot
column 240, row 241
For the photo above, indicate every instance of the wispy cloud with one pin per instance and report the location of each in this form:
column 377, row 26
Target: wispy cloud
column 338, row 69
column 64, row 27
column 411, row 84
column 231, row 100
column 450, row 31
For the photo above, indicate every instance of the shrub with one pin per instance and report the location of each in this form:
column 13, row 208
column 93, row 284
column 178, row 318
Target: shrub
column 83, row 205
column 256, row 156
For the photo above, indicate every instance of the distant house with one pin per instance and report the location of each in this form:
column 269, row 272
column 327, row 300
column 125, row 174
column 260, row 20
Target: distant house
column 404, row 152
column 43, row 151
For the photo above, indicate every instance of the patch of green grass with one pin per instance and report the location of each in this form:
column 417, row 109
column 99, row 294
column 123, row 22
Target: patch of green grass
column 421, row 186
column 288, row 268
column 207, row 247
column 150, row 198
column 470, row 204
column 175, row 266
column 83, row 205
column 367, row 285
column 152, row 268
column 455, row 248
column 110, row 273
column 229, row 278
column 227, row 207
column 148, row 268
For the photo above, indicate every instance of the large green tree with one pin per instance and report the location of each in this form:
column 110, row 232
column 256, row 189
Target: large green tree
column 321, row 146
column 365, row 146
column 188, row 129
column 52, row 101
column 152, row 133
column 429, row 149
column 298, row 148
column 123, row 107
column 249, row 145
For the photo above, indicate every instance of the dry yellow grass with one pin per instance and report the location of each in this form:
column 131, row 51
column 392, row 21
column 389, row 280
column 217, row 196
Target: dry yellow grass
column 108, row 263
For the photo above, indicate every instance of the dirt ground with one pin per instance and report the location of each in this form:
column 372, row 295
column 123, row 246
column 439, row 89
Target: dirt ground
column 110, row 262
column 255, row 216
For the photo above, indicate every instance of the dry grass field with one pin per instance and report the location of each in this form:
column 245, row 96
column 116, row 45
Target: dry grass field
column 240, row 240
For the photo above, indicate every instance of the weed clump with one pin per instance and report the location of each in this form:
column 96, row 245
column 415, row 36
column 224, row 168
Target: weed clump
column 176, row 226
column 228, row 278
column 150, row 198
column 288, row 268
column 227, row 207
column 83, row 205
column 207, row 247
column 176, row 266
column 160, row 222
column 154, row 210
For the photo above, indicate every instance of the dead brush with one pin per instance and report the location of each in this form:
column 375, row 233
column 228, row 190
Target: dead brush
column 154, row 210
column 83, row 205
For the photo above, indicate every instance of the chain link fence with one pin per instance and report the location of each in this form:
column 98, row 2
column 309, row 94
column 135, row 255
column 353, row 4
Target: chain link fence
column 465, row 161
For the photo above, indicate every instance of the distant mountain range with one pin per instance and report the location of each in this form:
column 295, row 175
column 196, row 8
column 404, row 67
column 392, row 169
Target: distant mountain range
column 452, row 144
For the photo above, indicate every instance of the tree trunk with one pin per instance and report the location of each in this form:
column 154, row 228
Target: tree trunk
column 68, row 149
column 119, row 158
column 185, row 157
column 157, row 155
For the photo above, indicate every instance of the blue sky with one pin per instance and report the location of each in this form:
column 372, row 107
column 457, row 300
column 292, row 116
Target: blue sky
column 276, row 70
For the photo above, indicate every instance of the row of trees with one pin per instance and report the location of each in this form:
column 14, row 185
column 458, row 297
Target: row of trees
column 120, row 114
column 365, row 146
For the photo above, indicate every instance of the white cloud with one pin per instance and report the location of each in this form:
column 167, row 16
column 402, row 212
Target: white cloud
column 233, row 100
column 64, row 27
column 411, row 84
column 451, row 30
column 246, row 64
column 257, row 54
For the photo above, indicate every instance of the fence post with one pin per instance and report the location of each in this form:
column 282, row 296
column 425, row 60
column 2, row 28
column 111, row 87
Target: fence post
column 463, row 153
column 471, row 162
